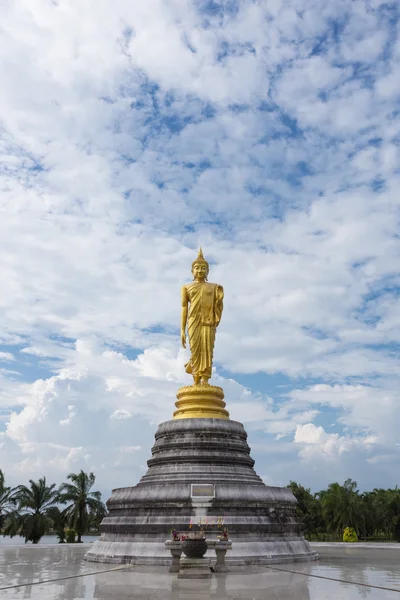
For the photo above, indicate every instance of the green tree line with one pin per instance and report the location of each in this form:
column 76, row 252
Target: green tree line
column 373, row 515
column 34, row 510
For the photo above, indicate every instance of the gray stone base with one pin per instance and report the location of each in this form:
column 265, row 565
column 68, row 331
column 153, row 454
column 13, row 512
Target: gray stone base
column 261, row 519
column 194, row 568
column 242, row 553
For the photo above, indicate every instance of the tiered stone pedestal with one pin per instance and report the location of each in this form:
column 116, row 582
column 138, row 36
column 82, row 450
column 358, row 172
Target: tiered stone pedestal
column 261, row 519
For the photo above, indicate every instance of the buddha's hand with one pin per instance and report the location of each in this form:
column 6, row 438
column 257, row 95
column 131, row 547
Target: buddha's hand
column 183, row 339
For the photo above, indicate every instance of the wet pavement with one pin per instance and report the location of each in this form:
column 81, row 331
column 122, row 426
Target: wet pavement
column 59, row 573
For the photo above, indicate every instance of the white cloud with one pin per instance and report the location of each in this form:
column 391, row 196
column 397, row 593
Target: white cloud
column 89, row 414
column 72, row 412
column 369, row 420
column 121, row 414
column 315, row 442
column 368, row 408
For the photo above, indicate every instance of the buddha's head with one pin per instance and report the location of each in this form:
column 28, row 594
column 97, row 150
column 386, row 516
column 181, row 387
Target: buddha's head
column 200, row 267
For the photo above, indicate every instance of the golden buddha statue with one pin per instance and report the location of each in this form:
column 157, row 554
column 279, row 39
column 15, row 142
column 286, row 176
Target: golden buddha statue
column 202, row 319
column 202, row 305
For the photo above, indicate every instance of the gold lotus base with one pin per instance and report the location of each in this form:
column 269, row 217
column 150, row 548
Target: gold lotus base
column 200, row 402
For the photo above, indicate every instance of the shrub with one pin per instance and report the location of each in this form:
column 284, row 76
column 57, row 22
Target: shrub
column 350, row 535
column 71, row 535
column 61, row 535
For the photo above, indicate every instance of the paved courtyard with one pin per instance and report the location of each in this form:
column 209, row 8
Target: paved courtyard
column 58, row 573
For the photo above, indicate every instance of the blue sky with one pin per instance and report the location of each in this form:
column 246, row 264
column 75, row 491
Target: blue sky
column 131, row 134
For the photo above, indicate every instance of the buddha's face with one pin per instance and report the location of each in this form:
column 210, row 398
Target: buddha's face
column 200, row 271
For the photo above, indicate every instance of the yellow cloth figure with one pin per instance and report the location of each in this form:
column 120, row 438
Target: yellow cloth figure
column 202, row 319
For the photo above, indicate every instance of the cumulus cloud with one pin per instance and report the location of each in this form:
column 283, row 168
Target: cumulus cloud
column 102, row 409
column 314, row 441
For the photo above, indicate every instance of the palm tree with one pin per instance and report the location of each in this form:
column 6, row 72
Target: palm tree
column 35, row 505
column 7, row 501
column 342, row 507
column 81, row 501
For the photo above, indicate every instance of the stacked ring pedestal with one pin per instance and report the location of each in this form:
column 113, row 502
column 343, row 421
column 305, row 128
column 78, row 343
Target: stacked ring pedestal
column 261, row 519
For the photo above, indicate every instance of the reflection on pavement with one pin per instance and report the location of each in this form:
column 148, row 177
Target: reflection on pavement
column 72, row 578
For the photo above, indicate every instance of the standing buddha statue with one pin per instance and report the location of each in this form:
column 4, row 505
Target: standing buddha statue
column 202, row 305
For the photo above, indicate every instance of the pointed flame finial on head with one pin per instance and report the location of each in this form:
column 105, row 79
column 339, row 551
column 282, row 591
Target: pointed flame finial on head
column 200, row 259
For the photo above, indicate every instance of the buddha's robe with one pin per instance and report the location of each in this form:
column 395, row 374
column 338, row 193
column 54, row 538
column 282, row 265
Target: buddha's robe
column 206, row 304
